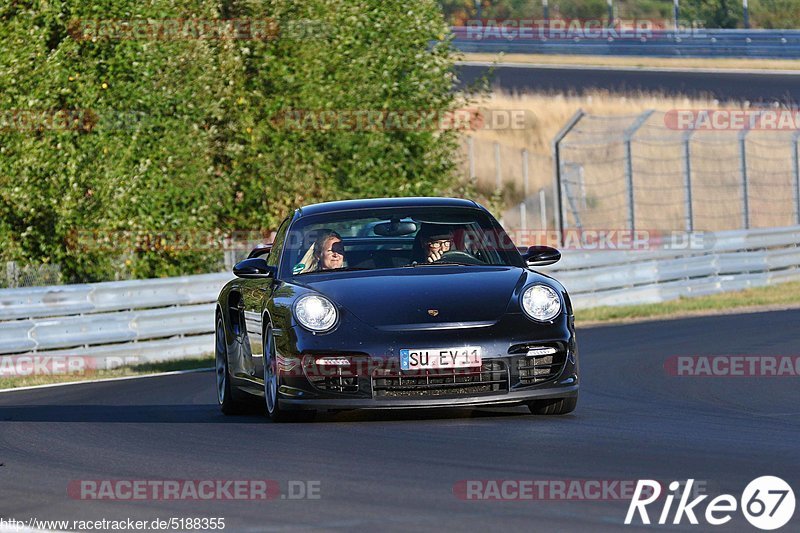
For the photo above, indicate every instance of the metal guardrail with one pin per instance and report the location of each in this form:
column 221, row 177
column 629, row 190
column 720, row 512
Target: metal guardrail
column 172, row 318
column 732, row 260
column 778, row 44
column 64, row 300
column 155, row 319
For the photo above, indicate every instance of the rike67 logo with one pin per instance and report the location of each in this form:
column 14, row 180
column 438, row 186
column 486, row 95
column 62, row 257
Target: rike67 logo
column 767, row 503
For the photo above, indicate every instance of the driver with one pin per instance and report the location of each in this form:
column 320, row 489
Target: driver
column 436, row 246
column 432, row 243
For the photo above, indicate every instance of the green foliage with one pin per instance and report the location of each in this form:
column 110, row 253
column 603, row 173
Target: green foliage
column 713, row 13
column 184, row 137
column 580, row 9
column 775, row 14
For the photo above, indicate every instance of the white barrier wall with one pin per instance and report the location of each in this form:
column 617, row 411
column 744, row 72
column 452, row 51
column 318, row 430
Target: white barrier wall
column 726, row 261
column 154, row 319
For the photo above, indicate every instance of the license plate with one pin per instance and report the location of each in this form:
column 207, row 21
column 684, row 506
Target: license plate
column 413, row 359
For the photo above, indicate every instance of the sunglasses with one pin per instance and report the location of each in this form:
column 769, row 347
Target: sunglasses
column 337, row 248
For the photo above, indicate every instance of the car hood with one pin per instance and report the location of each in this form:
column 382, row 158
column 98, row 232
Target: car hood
column 428, row 297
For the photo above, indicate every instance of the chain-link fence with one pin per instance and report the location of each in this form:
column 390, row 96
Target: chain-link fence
column 16, row 275
column 656, row 171
column 682, row 170
column 514, row 176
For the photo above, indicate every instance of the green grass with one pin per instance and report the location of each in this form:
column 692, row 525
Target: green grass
column 787, row 294
column 123, row 371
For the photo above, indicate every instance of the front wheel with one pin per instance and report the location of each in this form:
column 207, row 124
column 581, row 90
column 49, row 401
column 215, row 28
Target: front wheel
column 554, row 406
column 272, row 381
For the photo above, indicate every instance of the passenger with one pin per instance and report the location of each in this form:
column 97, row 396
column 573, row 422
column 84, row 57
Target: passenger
column 327, row 253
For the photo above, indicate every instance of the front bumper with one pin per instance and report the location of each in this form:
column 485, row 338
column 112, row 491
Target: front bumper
column 521, row 363
column 494, row 400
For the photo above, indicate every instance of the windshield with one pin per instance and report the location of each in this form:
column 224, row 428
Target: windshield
column 370, row 239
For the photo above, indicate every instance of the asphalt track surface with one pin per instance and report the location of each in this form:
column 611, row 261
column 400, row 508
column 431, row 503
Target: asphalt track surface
column 396, row 471
column 766, row 87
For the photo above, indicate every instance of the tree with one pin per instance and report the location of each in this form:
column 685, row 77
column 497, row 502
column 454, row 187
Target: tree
column 713, row 13
column 177, row 141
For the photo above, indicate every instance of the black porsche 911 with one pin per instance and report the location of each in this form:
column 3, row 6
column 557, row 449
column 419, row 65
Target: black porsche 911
column 395, row 303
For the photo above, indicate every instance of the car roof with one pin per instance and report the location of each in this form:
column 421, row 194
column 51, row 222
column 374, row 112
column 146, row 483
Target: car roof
column 377, row 203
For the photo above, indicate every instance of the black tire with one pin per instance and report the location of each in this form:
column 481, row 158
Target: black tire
column 227, row 404
column 272, row 382
column 554, row 406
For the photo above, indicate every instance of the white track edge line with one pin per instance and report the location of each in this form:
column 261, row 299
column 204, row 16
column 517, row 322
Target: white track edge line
column 124, row 378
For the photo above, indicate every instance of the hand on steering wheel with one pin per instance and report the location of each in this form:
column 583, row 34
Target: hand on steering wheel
column 435, row 255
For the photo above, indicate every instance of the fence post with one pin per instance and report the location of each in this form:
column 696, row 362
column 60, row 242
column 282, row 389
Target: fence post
column 471, row 158
column 498, row 178
column 525, row 172
column 743, row 166
column 687, row 179
column 796, row 164
column 230, row 259
column 523, row 216
column 629, row 133
column 12, row 274
column 543, row 209
column 557, row 200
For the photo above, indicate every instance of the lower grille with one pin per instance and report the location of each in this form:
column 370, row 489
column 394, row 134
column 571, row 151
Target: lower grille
column 342, row 379
column 491, row 377
column 533, row 370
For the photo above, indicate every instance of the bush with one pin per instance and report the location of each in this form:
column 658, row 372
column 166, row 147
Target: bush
column 185, row 137
column 713, row 13
column 775, row 14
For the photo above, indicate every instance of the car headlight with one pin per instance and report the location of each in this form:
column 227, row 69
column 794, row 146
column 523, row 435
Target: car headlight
column 315, row 312
column 540, row 302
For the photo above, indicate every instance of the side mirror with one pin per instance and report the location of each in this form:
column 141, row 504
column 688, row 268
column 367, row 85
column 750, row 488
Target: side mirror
column 259, row 250
column 255, row 267
column 541, row 256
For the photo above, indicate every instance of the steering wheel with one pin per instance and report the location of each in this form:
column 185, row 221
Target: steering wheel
column 457, row 256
